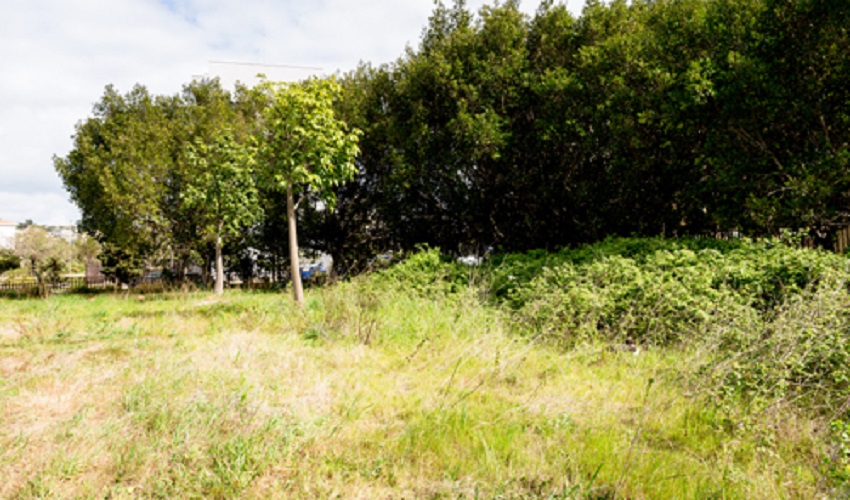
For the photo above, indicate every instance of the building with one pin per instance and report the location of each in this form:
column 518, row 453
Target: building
column 246, row 73
column 67, row 233
column 8, row 229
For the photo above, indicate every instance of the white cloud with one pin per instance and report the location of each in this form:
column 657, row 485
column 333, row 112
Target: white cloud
column 48, row 208
column 59, row 56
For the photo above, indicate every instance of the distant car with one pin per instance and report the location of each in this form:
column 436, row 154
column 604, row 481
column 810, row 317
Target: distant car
column 312, row 272
column 474, row 259
column 151, row 276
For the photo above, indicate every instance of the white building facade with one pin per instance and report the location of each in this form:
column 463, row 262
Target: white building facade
column 231, row 73
column 8, row 229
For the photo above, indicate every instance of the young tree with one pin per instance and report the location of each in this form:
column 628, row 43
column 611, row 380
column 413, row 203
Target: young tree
column 46, row 254
column 305, row 147
column 223, row 194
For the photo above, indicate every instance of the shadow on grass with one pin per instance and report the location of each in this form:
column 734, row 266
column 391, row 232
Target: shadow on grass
column 203, row 311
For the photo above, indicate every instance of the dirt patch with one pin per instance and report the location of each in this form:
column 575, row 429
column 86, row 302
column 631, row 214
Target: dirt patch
column 9, row 333
column 12, row 365
column 124, row 323
column 208, row 302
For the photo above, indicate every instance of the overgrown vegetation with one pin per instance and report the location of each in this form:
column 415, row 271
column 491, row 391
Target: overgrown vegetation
column 628, row 369
column 516, row 132
column 768, row 321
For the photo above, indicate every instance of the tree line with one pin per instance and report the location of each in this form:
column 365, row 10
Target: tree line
column 41, row 258
column 176, row 178
column 506, row 131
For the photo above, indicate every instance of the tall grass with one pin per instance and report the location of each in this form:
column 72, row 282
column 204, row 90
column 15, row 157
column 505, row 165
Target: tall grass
column 410, row 384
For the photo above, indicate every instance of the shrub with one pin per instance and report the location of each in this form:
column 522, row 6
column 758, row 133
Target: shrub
column 798, row 356
column 508, row 272
column 768, row 323
column 616, row 298
column 426, row 272
column 660, row 291
column 8, row 260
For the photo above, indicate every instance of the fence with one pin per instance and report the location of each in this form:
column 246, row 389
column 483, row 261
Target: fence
column 60, row 286
column 842, row 239
column 838, row 238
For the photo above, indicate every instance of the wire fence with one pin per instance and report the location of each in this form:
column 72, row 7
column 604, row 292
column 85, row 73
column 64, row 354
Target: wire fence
column 63, row 285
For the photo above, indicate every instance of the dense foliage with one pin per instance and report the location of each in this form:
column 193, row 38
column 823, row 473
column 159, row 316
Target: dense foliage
column 759, row 322
column 9, row 260
column 642, row 118
column 663, row 117
column 769, row 321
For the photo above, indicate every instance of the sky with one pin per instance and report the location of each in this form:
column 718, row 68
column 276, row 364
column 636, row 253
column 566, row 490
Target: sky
column 57, row 57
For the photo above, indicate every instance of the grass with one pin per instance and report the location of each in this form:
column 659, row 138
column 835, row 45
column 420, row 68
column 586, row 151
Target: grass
column 365, row 393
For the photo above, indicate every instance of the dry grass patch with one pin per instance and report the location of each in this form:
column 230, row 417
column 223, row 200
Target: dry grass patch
column 246, row 396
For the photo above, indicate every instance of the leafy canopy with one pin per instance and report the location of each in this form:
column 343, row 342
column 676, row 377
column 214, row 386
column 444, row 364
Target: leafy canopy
column 223, row 192
column 303, row 143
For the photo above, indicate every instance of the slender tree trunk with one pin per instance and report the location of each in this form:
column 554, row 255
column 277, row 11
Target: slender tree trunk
column 41, row 288
column 219, row 268
column 297, row 288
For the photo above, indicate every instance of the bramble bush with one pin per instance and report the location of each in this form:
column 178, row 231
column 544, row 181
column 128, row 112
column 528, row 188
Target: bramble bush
column 663, row 293
column 798, row 355
column 767, row 323
column 426, row 272
column 659, row 302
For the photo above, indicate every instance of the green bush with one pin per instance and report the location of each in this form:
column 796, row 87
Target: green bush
column 799, row 355
column 426, row 272
column 508, row 272
column 837, row 463
column 659, row 291
column 8, row 261
column 665, row 300
column 767, row 323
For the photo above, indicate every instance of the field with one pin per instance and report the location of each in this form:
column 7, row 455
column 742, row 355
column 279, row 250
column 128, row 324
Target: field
column 374, row 390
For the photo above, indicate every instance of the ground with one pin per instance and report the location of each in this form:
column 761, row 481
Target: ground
column 358, row 395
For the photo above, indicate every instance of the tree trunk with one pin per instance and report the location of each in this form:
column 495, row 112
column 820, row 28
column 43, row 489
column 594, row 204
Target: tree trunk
column 41, row 287
column 219, row 268
column 297, row 288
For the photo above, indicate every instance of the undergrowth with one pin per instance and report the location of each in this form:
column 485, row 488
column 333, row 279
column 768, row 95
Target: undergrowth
column 762, row 328
column 628, row 369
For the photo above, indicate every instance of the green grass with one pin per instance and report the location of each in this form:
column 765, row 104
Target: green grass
column 368, row 392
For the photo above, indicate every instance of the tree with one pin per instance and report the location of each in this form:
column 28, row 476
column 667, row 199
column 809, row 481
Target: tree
column 128, row 172
column 118, row 175
column 86, row 249
column 46, row 254
column 305, row 147
column 223, row 194
column 203, row 110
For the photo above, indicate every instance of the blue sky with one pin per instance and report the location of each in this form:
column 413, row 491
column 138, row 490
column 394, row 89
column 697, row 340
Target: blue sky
column 58, row 56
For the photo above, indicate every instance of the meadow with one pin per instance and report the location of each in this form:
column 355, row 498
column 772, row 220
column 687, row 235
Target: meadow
column 435, row 380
